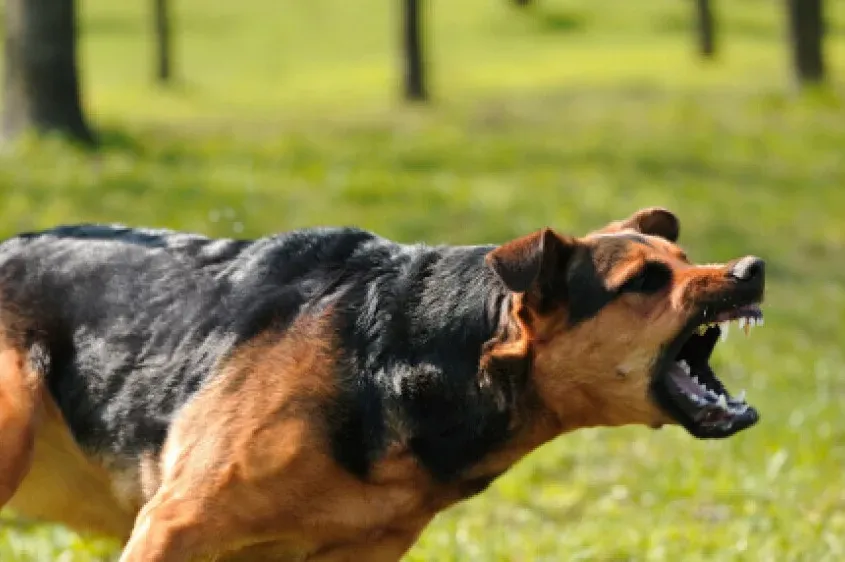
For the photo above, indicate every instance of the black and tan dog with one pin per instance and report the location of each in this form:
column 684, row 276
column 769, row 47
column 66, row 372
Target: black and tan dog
column 321, row 394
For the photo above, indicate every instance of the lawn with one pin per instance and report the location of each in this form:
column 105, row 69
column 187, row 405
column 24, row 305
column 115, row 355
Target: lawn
column 569, row 115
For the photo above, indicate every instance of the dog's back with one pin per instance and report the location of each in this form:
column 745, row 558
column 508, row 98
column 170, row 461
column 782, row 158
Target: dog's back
column 115, row 313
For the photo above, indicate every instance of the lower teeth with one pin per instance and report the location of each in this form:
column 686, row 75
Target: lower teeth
column 734, row 405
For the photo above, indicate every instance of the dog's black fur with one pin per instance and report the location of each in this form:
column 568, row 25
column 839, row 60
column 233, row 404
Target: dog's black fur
column 128, row 324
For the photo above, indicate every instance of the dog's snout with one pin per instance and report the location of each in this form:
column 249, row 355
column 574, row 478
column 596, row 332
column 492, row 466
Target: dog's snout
column 749, row 268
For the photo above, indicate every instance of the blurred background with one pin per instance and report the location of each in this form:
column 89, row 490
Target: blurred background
column 476, row 121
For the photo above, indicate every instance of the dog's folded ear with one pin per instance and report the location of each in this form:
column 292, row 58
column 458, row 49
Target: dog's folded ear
column 654, row 221
column 532, row 260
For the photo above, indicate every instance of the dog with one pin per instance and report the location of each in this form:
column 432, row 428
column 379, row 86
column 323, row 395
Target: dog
column 321, row 394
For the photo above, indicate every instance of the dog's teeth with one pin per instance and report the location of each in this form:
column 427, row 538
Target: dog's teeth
column 739, row 410
column 722, row 402
column 683, row 364
column 760, row 321
column 741, row 322
column 724, row 326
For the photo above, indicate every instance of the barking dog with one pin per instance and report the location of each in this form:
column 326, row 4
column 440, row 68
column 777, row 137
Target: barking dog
column 321, row 394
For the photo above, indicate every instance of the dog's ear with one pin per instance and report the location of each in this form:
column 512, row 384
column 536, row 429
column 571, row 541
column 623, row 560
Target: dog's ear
column 531, row 261
column 654, row 221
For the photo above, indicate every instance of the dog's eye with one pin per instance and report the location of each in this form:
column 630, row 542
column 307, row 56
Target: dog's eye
column 652, row 278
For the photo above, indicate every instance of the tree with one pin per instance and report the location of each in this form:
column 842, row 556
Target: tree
column 41, row 85
column 806, row 31
column 161, row 26
column 522, row 3
column 706, row 29
column 413, row 51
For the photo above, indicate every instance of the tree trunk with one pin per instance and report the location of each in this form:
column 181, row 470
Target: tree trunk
column 522, row 3
column 41, row 89
column 413, row 51
column 161, row 24
column 806, row 30
column 706, row 29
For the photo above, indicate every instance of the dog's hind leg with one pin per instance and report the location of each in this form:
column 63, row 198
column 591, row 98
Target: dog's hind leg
column 19, row 394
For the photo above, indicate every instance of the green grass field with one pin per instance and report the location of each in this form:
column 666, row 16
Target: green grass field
column 569, row 115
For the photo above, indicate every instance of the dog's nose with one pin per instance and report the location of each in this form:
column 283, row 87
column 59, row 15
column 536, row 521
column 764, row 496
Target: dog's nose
column 749, row 268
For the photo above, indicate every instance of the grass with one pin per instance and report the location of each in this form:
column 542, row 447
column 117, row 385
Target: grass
column 570, row 114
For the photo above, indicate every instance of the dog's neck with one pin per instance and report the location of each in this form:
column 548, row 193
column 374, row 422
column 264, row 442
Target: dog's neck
column 436, row 354
column 507, row 368
column 498, row 418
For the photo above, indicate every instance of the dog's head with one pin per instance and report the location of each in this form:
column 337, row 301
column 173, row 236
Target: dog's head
column 620, row 324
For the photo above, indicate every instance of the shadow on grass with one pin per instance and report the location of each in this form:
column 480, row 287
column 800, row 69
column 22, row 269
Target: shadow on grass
column 757, row 29
column 558, row 21
column 113, row 139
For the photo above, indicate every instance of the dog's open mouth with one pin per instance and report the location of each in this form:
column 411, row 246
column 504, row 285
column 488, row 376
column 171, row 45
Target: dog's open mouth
column 688, row 389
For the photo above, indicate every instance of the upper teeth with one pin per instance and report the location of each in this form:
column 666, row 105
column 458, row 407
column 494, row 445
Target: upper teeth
column 745, row 324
